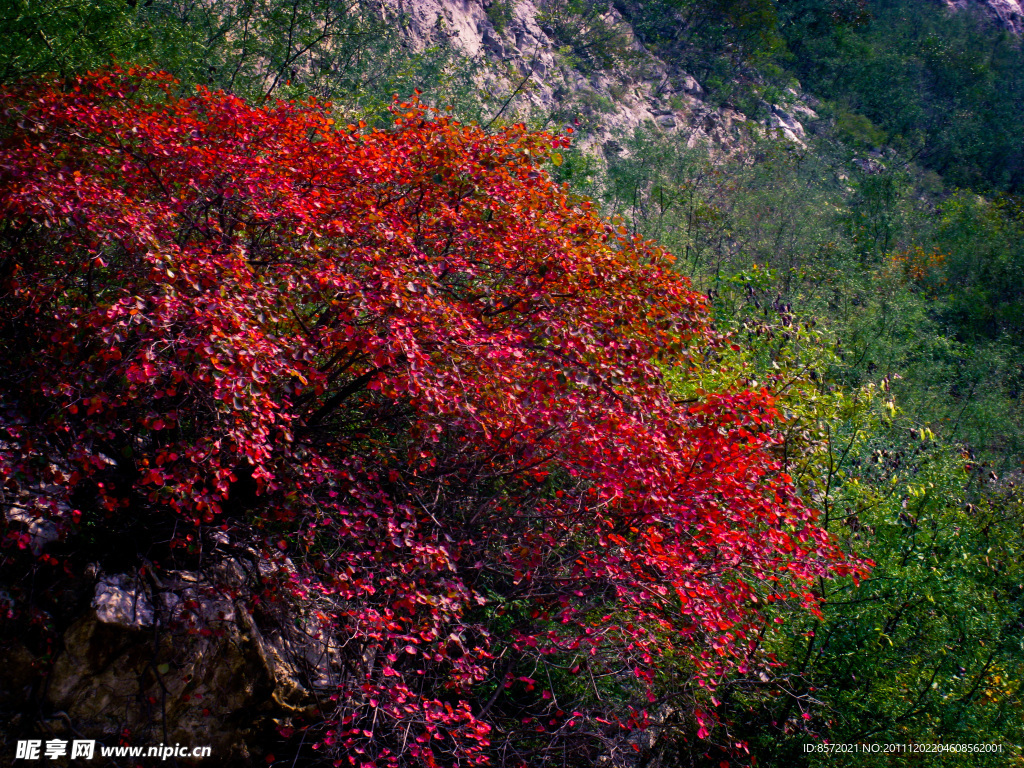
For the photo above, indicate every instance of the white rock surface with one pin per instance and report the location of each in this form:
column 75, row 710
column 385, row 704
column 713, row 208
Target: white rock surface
column 610, row 103
column 40, row 530
column 119, row 599
column 1007, row 13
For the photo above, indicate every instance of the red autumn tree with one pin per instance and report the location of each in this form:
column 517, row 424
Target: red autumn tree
column 424, row 381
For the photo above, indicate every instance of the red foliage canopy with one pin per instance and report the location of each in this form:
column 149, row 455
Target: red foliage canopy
column 408, row 361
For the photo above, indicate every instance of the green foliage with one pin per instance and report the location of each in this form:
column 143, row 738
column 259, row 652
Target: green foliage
column 590, row 36
column 577, row 27
column 858, row 131
column 693, row 32
column 347, row 51
column 770, row 206
column 911, row 305
column 878, row 214
column 985, row 243
column 812, row 21
column 929, row 299
column 579, row 169
column 499, row 13
column 928, row 649
column 944, row 87
column 68, row 36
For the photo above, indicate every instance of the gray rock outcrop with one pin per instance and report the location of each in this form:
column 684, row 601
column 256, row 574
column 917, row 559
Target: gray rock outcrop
column 169, row 661
column 1007, row 13
column 525, row 60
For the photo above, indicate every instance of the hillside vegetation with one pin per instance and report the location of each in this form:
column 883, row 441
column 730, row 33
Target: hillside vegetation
column 503, row 446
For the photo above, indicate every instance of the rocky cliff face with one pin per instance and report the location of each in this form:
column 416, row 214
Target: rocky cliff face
column 521, row 60
column 1007, row 13
column 516, row 48
column 175, row 660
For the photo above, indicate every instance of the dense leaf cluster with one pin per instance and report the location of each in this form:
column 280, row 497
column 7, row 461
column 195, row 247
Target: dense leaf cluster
column 413, row 373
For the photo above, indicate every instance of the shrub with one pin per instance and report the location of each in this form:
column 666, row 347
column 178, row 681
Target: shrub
column 412, row 373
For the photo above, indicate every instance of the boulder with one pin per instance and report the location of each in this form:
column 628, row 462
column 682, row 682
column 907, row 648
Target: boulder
column 1008, row 14
column 174, row 663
